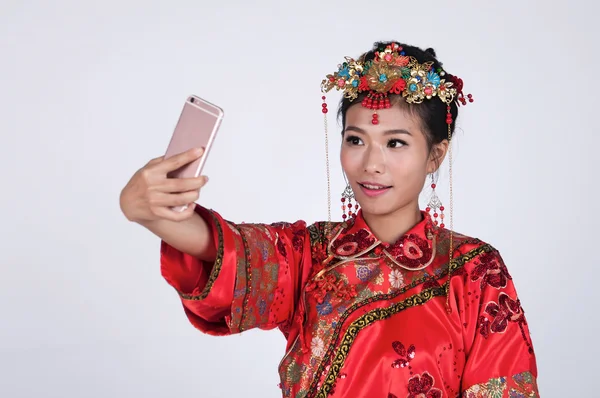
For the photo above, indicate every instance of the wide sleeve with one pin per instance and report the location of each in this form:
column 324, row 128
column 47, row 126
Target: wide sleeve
column 253, row 283
column 500, row 360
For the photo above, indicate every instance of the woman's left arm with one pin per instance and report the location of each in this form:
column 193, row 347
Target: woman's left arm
column 500, row 360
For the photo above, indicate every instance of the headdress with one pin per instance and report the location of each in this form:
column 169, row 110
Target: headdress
column 391, row 71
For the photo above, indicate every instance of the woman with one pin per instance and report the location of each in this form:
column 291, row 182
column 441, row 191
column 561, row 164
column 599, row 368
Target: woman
column 370, row 306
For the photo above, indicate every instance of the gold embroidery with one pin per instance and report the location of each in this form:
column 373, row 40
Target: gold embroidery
column 245, row 266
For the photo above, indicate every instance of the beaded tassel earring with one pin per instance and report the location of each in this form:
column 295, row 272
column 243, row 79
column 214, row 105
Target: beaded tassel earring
column 435, row 205
column 349, row 210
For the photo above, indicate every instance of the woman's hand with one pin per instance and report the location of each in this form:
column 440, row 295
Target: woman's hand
column 150, row 195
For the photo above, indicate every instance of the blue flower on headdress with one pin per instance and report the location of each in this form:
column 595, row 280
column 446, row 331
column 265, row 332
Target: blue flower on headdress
column 383, row 78
column 412, row 87
column 344, row 72
column 355, row 83
column 433, row 78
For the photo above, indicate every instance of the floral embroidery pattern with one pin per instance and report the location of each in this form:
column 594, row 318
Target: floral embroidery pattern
column 354, row 243
column 294, row 373
column 494, row 388
column 525, row 386
column 256, row 283
column 500, row 314
column 405, row 355
column 396, row 279
column 491, row 270
column 325, row 308
column 366, row 271
column 411, row 250
column 421, row 386
column 497, row 317
column 522, row 385
column 317, row 346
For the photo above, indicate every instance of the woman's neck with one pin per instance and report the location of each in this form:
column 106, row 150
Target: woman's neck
column 391, row 226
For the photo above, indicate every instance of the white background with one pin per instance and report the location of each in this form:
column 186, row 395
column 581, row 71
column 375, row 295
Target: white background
column 89, row 91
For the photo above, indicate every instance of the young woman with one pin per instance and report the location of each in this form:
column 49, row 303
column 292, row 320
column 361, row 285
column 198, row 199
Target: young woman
column 370, row 306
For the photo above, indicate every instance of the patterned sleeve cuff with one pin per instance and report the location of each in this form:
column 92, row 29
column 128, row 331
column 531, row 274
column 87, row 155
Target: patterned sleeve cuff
column 206, row 289
column 521, row 385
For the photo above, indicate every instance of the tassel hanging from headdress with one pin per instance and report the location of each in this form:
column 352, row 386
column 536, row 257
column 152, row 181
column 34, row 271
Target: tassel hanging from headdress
column 376, row 101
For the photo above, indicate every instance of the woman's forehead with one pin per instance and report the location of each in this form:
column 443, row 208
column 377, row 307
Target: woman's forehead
column 394, row 118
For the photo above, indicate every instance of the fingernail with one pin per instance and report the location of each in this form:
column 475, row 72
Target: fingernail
column 199, row 151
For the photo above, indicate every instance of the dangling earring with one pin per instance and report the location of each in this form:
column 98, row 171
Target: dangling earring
column 435, row 205
column 347, row 206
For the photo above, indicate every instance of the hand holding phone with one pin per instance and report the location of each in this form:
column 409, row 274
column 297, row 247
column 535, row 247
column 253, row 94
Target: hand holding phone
column 197, row 127
column 150, row 195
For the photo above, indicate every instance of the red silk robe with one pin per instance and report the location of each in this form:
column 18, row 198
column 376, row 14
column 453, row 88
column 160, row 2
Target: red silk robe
column 363, row 318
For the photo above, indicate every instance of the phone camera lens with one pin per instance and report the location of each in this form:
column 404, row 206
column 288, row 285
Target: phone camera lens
column 192, row 100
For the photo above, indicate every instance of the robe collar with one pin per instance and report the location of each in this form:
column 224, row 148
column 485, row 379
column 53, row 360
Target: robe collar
column 413, row 251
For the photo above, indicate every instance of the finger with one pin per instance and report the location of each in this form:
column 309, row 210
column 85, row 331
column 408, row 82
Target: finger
column 161, row 199
column 182, row 184
column 175, row 162
column 155, row 161
column 173, row 215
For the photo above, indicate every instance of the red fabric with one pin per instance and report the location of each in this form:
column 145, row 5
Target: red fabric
column 363, row 318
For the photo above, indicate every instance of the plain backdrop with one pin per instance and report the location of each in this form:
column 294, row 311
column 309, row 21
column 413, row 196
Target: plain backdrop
column 90, row 91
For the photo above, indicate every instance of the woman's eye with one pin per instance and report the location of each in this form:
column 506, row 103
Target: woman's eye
column 396, row 143
column 353, row 140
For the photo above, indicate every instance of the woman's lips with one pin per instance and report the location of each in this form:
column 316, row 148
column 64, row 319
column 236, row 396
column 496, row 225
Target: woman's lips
column 372, row 189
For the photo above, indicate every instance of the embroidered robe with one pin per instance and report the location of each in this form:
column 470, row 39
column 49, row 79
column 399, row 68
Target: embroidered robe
column 363, row 318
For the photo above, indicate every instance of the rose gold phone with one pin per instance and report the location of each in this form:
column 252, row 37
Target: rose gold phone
column 197, row 127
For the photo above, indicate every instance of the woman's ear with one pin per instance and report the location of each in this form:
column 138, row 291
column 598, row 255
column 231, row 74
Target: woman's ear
column 436, row 156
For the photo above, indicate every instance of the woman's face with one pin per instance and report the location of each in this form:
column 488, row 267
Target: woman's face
column 387, row 163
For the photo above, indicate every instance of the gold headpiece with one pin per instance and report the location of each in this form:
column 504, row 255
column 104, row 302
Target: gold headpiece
column 392, row 72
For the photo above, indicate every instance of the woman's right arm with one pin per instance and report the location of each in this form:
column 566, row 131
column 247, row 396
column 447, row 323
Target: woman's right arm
column 230, row 277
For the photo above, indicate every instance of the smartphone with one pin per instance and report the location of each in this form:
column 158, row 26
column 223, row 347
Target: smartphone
column 197, row 127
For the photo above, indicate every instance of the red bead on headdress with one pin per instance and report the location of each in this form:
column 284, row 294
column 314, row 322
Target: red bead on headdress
column 460, row 97
column 376, row 101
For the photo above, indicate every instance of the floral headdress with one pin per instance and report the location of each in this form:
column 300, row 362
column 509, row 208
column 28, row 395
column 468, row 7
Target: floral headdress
column 393, row 72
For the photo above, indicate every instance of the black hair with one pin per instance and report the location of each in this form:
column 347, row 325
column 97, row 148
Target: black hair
column 432, row 113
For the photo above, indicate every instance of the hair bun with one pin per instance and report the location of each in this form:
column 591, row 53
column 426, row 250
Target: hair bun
column 431, row 51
